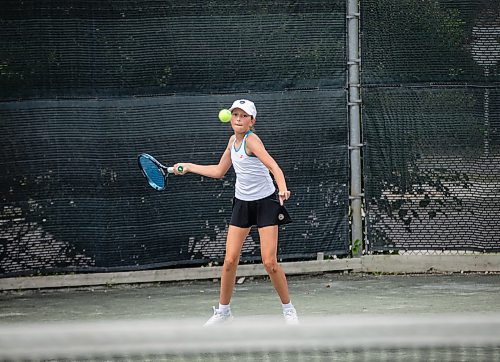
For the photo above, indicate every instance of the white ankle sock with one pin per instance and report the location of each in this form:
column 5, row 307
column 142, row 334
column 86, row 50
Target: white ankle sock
column 287, row 306
column 225, row 308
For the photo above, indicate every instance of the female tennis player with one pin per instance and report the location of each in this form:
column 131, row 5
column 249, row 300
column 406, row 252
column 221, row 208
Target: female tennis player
column 255, row 203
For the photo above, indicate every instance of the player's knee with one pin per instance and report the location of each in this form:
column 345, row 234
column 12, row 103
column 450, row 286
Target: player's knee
column 271, row 266
column 230, row 263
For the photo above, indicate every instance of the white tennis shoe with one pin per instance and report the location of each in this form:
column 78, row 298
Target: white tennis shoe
column 219, row 318
column 291, row 317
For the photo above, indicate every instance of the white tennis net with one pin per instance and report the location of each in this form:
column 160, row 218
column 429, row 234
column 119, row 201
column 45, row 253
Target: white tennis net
column 333, row 338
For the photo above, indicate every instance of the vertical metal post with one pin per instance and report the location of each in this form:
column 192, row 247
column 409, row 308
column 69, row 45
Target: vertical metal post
column 355, row 144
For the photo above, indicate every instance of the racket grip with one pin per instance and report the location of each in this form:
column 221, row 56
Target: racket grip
column 171, row 169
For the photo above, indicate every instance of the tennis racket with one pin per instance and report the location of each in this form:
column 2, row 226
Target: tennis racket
column 154, row 171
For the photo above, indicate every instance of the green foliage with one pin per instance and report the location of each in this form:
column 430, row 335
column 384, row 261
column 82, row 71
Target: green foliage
column 416, row 40
column 357, row 246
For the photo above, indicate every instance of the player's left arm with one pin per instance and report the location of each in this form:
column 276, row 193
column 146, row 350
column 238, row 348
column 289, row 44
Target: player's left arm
column 254, row 146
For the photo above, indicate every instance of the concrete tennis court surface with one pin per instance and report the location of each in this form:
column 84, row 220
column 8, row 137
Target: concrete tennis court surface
column 327, row 294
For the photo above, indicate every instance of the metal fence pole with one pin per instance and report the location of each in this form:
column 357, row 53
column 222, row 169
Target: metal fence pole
column 355, row 143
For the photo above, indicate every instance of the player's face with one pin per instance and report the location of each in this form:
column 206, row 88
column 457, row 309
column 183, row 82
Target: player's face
column 241, row 121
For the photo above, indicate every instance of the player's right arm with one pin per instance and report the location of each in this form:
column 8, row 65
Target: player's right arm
column 213, row 171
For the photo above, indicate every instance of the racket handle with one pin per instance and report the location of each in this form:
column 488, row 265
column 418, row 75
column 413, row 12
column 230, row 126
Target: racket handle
column 171, row 169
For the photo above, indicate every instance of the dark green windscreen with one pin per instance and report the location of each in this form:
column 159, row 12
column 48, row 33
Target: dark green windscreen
column 87, row 86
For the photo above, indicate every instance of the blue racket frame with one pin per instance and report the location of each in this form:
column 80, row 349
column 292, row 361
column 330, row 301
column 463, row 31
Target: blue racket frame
column 153, row 171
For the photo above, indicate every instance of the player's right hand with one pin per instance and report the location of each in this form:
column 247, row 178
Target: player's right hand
column 184, row 168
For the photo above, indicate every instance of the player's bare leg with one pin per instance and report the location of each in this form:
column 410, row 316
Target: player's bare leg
column 235, row 238
column 269, row 248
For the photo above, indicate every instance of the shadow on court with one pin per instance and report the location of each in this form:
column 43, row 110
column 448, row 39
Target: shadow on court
column 313, row 295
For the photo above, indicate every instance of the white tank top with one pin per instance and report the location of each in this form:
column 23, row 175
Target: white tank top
column 253, row 181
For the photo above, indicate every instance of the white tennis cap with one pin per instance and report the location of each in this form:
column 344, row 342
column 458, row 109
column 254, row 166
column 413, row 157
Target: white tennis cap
column 246, row 105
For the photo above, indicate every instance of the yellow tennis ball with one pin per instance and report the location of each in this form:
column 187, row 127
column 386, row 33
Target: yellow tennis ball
column 225, row 115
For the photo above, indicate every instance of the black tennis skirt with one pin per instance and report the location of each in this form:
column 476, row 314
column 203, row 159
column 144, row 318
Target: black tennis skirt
column 263, row 212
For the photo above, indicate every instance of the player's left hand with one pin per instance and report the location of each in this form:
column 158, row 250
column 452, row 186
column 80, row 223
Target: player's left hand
column 283, row 196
